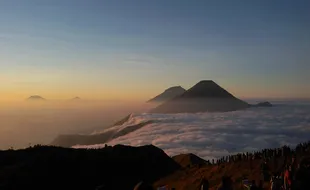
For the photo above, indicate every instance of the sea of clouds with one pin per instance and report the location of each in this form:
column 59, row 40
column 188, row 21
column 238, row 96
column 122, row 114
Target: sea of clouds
column 212, row 135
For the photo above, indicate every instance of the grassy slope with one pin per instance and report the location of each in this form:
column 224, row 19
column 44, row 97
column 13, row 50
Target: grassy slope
column 190, row 178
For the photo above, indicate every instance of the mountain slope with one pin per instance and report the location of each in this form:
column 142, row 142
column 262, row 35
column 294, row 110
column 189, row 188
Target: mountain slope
column 205, row 96
column 168, row 94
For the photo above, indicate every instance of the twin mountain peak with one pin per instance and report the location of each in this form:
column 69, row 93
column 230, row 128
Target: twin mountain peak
column 205, row 96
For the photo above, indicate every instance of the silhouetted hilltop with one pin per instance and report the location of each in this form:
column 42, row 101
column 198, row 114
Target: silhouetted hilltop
column 118, row 167
column 35, row 98
column 188, row 160
column 168, row 94
column 205, row 96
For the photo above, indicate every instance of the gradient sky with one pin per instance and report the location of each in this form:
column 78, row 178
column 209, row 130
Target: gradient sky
column 134, row 49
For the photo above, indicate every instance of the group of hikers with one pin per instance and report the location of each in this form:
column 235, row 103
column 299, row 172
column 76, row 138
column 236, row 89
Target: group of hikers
column 290, row 170
column 281, row 169
column 295, row 176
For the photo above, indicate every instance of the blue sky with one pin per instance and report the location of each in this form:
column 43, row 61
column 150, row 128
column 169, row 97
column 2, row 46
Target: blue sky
column 135, row 49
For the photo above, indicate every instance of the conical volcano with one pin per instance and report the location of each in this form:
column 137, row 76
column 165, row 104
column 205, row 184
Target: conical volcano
column 168, row 94
column 205, row 96
column 206, row 89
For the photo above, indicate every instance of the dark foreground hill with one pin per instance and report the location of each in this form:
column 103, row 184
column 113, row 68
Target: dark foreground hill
column 205, row 96
column 168, row 94
column 119, row 167
column 122, row 167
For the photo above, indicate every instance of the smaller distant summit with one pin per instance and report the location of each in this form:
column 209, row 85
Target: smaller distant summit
column 168, row 94
column 35, row 98
column 76, row 98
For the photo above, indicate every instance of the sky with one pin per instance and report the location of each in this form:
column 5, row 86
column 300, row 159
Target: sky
column 134, row 49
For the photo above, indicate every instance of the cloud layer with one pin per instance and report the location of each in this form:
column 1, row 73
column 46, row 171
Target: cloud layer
column 212, row 135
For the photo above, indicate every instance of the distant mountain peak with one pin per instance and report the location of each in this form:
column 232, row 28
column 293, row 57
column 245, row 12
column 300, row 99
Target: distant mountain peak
column 168, row 94
column 76, row 98
column 35, row 97
column 206, row 81
column 206, row 89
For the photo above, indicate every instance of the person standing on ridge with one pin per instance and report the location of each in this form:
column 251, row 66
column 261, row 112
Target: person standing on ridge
column 261, row 185
column 226, row 183
column 288, row 178
column 264, row 171
column 204, row 185
column 253, row 185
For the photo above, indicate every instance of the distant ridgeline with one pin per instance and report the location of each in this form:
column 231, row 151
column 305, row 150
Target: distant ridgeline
column 40, row 98
column 100, row 137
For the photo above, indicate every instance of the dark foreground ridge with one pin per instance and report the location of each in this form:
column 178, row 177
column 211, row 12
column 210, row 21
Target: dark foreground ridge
column 122, row 167
column 118, row 167
column 168, row 94
column 205, row 96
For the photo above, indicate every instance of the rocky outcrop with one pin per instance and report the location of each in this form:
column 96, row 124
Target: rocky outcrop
column 205, row 96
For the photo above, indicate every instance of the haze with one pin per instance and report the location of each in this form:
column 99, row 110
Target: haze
column 30, row 123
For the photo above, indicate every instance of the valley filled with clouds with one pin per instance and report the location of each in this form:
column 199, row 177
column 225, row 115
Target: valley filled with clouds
column 212, row 135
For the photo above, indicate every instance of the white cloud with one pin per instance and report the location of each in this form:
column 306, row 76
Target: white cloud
column 212, row 135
